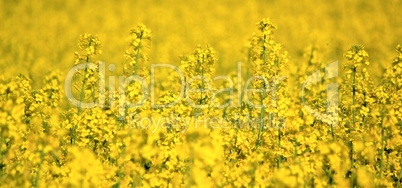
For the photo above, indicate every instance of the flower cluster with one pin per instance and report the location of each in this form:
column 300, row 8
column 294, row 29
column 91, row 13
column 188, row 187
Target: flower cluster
column 270, row 139
column 140, row 39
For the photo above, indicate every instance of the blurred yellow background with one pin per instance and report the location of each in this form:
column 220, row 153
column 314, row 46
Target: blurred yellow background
column 39, row 36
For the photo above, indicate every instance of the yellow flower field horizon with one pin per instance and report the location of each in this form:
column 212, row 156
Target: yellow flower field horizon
column 200, row 93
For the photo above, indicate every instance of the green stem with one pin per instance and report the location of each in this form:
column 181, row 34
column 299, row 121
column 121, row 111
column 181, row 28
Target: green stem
column 354, row 122
column 279, row 147
column 82, row 94
column 354, row 97
column 295, row 150
column 382, row 149
column 137, row 56
column 262, row 112
column 264, row 49
column 202, row 79
column 260, row 128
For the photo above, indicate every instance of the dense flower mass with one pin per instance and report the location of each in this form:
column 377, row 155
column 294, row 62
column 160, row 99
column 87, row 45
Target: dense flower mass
column 284, row 116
